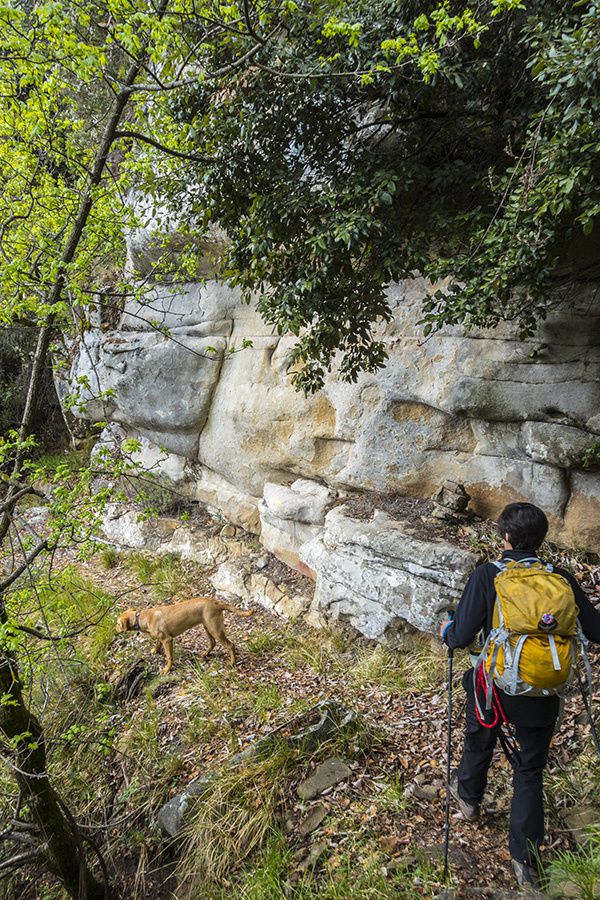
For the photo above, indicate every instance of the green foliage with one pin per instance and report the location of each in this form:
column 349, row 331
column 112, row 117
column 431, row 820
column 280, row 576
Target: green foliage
column 577, row 870
column 110, row 558
column 591, row 456
column 460, row 142
column 396, row 138
column 341, row 148
column 357, row 872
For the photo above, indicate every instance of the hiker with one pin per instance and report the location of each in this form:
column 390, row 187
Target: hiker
column 520, row 584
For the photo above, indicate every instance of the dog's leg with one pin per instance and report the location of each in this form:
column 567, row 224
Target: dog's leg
column 211, row 644
column 168, row 648
column 157, row 647
column 231, row 648
column 219, row 633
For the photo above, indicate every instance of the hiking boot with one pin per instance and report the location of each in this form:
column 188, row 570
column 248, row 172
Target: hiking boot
column 525, row 874
column 469, row 810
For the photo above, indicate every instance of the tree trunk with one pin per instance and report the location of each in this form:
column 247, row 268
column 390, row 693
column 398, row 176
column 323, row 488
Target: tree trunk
column 63, row 848
column 62, row 843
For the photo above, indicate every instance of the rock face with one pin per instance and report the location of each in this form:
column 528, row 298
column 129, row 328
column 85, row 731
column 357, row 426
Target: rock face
column 292, row 516
column 508, row 419
column 377, row 576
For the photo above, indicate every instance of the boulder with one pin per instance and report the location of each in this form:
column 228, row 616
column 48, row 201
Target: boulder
column 311, row 821
column 284, row 537
column 582, row 821
column 161, row 385
column 559, row 445
column 232, row 579
column 235, row 505
column 303, row 501
column 171, row 816
column 124, row 527
column 237, row 579
column 378, row 576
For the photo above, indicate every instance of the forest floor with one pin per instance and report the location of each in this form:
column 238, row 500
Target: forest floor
column 123, row 739
column 122, row 749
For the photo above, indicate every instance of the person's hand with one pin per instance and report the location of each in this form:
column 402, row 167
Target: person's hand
column 442, row 627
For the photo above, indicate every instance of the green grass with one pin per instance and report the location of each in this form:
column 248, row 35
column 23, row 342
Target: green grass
column 234, row 818
column 576, row 783
column 356, row 871
column 266, row 699
column 167, row 576
column 420, row 665
column 109, row 558
column 576, row 871
column 239, row 814
column 67, row 604
column 265, row 643
column 391, row 797
column 70, row 460
column 315, row 651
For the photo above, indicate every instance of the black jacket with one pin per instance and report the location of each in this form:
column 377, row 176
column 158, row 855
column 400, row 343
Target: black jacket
column 474, row 614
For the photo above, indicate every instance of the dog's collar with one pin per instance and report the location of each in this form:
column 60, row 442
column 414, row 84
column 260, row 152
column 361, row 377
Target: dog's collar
column 136, row 626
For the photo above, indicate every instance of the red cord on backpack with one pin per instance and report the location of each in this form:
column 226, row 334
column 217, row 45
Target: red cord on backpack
column 499, row 714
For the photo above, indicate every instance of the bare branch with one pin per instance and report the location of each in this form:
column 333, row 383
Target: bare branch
column 4, row 585
column 9, row 505
column 20, row 859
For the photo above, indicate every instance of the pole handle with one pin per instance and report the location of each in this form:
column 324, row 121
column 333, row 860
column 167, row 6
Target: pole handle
column 450, row 614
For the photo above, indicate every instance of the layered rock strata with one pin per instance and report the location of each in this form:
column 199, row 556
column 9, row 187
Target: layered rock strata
column 378, row 576
column 509, row 419
column 375, row 575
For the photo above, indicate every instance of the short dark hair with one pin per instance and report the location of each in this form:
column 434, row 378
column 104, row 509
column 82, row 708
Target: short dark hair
column 525, row 524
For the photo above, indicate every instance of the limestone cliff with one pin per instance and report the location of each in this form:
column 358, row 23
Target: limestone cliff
column 508, row 418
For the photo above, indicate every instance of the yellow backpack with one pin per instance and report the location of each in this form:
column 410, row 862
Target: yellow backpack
column 532, row 646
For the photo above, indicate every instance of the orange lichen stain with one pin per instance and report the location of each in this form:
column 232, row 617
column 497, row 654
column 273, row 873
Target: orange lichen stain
column 414, row 412
column 323, row 416
column 581, row 524
column 330, row 455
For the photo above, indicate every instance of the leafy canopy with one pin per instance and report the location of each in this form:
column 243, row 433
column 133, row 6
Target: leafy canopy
column 341, row 146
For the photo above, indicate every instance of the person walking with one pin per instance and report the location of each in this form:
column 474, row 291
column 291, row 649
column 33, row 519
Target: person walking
column 496, row 691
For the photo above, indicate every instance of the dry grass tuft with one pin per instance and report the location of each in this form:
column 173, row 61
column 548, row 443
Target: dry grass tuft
column 234, row 818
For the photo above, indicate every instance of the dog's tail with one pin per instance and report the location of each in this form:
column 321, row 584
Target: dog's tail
column 235, row 609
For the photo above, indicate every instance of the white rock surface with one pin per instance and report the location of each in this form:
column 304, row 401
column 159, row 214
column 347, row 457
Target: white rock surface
column 123, row 527
column 284, row 537
column 236, row 505
column 238, row 579
column 303, row 501
column 377, row 576
column 508, row 418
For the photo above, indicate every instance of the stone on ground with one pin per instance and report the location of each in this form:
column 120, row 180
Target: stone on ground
column 327, row 775
column 313, row 819
column 581, row 821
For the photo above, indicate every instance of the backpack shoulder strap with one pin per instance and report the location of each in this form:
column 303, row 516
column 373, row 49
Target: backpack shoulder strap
column 502, row 565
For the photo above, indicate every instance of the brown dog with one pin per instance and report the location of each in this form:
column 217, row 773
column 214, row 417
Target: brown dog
column 167, row 622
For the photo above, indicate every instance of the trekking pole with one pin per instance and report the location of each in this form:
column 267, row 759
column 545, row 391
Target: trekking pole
column 587, row 702
column 448, row 763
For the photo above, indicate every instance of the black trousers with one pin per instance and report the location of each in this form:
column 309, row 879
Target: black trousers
column 526, row 831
